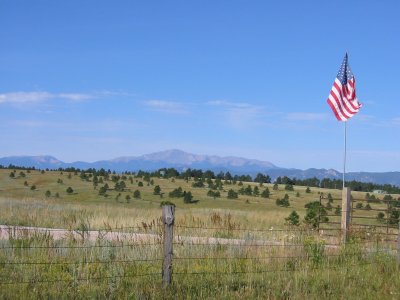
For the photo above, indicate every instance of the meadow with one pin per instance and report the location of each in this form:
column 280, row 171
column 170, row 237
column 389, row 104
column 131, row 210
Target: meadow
column 297, row 262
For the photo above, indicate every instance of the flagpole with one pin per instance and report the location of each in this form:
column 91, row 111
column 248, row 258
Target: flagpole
column 345, row 150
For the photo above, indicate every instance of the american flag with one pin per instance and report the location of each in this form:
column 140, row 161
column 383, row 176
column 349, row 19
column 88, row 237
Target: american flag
column 343, row 99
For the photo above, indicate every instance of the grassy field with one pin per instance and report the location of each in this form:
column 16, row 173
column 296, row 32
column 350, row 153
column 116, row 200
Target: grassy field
column 35, row 265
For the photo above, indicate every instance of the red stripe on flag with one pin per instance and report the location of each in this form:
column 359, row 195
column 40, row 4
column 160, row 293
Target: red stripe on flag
column 339, row 102
column 334, row 110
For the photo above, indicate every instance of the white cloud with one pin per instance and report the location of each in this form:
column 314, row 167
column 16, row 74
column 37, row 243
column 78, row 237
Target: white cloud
column 166, row 106
column 37, row 97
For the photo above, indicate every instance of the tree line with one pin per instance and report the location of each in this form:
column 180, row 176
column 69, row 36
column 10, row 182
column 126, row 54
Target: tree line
column 203, row 176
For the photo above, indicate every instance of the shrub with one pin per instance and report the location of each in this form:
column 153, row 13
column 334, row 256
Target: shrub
column 47, row 194
column 314, row 249
column 164, row 203
column 70, row 190
column 33, row 187
column 308, row 190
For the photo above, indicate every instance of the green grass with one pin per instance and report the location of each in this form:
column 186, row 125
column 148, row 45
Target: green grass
column 35, row 265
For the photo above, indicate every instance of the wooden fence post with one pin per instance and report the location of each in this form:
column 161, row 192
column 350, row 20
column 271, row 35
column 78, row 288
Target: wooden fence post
column 345, row 222
column 168, row 216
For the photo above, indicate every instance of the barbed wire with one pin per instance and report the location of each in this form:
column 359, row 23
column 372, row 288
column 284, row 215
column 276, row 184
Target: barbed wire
column 79, row 279
column 270, row 270
column 80, row 262
column 279, row 257
column 80, row 247
column 9, row 227
column 248, row 229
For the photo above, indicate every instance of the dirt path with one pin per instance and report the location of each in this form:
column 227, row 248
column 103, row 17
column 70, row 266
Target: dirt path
column 58, row 234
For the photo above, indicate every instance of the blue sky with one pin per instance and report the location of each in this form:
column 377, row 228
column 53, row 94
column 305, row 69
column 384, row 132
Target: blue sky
column 91, row 80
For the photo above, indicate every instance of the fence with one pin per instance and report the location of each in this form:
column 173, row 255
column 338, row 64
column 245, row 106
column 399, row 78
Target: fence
column 159, row 251
column 379, row 218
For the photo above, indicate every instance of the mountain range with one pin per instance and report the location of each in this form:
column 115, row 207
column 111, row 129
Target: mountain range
column 181, row 160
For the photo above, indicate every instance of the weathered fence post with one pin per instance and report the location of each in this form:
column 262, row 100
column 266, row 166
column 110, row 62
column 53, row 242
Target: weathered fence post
column 168, row 216
column 345, row 222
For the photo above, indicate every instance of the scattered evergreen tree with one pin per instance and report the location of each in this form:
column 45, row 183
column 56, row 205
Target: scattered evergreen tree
column 315, row 213
column 214, row 194
column 176, row 193
column 330, row 198
column 70, row 190
column 198, row 184
column 187, row 198
column 338, row 210
column 265, row 193
column 232, row 194
column 293, row 219
column 157, row 190
column 380, row 217
column 308, row 190
column 256, row 191
column 283, row 202
column 47, row 194
column 289, row 187
column 136, row 194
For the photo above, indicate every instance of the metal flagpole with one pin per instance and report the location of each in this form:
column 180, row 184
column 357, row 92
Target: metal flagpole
column 345, row 150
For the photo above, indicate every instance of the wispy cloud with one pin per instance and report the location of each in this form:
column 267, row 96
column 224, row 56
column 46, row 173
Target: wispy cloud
column 304, row 116
column 240, row 115
column 38, row 97
column 166, row 106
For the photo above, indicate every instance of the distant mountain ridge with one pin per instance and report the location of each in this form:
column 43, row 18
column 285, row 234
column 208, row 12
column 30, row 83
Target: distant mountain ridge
column 181, row 160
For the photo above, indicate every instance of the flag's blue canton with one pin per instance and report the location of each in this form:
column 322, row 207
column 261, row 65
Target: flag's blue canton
column 344, row 73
